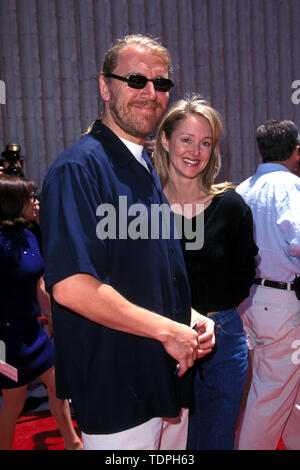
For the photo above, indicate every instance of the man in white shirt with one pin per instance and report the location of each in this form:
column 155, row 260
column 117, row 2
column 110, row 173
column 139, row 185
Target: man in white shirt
column 271, row 314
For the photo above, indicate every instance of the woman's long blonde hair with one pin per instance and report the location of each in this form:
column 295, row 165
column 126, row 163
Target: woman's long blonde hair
column 176, row 113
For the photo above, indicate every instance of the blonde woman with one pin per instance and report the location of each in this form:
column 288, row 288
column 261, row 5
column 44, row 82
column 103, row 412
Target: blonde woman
column 187, row 160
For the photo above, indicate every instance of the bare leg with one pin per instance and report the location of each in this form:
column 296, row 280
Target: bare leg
column 13, row 400
column 61, row 412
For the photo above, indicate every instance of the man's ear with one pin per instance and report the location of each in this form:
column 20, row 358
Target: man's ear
column 104, row 88
column 164, row 141
column 293, row 162
column 295, row 154
column 298, row 154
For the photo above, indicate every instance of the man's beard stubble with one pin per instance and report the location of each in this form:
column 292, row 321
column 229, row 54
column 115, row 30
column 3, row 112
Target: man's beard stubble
column 138, row 125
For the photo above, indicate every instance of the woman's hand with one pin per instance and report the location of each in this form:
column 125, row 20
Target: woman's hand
column 205, row 328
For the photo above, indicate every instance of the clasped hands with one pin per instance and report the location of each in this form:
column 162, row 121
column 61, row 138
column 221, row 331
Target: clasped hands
column 198, row 343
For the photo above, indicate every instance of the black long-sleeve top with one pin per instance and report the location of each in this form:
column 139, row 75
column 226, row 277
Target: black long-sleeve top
column 222, row 271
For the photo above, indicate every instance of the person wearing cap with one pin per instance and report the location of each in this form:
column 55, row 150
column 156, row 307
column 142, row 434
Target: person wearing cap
column 271, row 313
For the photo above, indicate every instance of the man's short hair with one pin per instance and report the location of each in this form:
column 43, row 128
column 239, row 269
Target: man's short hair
column 143, row 42
column 277, row 139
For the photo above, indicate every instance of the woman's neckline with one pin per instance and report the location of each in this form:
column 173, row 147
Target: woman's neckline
column 209, row 205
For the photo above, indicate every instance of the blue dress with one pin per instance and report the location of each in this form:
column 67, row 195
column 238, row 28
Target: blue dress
column 27, row 346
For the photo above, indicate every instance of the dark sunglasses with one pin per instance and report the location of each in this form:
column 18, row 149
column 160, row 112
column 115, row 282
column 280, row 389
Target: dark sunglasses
column 139, row 81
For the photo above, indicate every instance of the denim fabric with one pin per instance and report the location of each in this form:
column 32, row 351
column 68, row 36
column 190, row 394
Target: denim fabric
column 219, row 385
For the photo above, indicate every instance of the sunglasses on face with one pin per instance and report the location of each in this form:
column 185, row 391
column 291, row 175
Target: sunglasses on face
column 139, row 81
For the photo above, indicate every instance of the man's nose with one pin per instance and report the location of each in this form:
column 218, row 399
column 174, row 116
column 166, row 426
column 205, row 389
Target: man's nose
column 149, row 91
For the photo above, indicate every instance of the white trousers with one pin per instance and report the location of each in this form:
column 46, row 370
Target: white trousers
column 156, row 434
column 271, row 319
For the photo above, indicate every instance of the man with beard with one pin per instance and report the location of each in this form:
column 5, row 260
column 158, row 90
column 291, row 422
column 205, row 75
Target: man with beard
column 121, row 303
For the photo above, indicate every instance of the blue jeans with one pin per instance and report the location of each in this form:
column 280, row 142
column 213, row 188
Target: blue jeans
column 219, row 385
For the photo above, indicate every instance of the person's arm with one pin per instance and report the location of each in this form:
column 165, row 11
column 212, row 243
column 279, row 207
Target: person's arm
column 44, row 302
column 101, row 303
column 288, row 218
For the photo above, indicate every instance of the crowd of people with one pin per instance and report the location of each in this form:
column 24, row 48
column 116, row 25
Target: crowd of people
column 170, row 293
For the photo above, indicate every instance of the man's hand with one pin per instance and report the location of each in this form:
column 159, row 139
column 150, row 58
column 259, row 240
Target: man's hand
column 205, row 328
column 99, row 302
column 181, row 342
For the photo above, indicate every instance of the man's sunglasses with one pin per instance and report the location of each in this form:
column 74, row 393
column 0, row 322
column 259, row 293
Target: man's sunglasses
column 139, row 81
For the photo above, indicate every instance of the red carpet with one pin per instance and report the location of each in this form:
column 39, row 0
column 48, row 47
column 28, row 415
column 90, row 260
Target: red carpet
column 38, row 431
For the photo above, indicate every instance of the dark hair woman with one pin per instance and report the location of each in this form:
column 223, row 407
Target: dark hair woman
column 27, row 347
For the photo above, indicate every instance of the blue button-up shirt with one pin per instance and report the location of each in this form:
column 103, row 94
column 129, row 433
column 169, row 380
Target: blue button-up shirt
column 273, row 194
column 115, row 380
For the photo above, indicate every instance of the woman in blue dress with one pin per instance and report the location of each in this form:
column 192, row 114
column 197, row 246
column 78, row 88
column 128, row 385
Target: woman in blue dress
column 27, row 347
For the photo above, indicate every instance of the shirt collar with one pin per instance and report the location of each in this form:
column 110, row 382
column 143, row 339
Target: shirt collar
column 136, row 150
column 264, row 168
column 117, row 149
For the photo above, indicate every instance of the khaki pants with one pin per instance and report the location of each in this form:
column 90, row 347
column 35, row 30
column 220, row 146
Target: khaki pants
column 271, row 319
